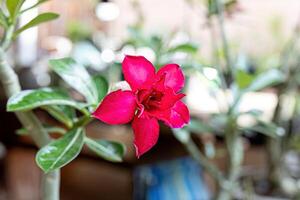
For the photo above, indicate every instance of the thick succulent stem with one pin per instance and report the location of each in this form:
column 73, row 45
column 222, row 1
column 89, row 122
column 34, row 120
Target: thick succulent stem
column 11, row 85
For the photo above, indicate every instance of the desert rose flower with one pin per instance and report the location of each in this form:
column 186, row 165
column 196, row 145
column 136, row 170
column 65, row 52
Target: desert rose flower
column 153, row 96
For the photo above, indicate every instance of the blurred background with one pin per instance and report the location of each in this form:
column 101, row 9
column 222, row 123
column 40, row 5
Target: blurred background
column 97, row 34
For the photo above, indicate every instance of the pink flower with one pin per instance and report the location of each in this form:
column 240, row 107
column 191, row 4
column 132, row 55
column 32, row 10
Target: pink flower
column 154, row 96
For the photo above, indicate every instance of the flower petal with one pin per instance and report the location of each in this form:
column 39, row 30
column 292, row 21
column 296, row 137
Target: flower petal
column 175, row 117
column 169, row 99
column 138, row 72
column 146, row 132
column 116, row 108
column 174, row 76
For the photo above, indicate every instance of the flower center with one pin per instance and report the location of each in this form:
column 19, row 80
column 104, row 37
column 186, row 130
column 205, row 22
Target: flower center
column 150, row 99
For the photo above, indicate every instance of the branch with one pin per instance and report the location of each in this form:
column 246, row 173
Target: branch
column 220, row 17
column 11, row 84
column 199, row 157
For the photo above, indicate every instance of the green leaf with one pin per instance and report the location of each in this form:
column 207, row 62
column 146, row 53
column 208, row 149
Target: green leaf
column 155, row 42
column 44, row 17
column 243, row 79
column 49, row 129
column 34, row 5
column 267, row 79
column 197, row 126
column 268, row 129
column 136, row 35
column 31, row 99
column 60, row 152
column 3, row 20
column 111, row 151
column 219, row 122
column 64, row 114
column 212, row 7
column 227, row 5
column 13, row 7
column 101, row 85
column 186, row 48
column 40, row 2
column 182, row 135
column 77, row 77
column 253, row 112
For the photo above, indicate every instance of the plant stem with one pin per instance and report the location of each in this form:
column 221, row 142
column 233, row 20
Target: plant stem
column 8, row 37
column 199, row 157
column 216, row 60
column 226, row 185
column 234, row 148
column 51, row 185
column 275, row 146
column 216, row 63
column 136, row 5
column 220, row 17
column 232, row 136
column 11, row 85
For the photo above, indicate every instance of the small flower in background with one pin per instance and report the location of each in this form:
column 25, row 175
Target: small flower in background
column 154, row 96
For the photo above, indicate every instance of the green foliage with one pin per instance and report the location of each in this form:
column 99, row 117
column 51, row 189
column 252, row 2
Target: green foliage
column 60, row 152
column 243, row 79
column 137, row 39
column 77, row 77
column 182, row 135
column 40, row 2
column 108, row 150
column 197, row 126
column 3, row 20
column 34, row 5
column 161, row 46
column 266, row 79
column 64, row 114
column 48, row 129
column 101, row 85
column 45, row 17
column 219, row 122
column 213, row 8
column 253, row 112
column 57, row 102
column 269, row 129
column 78, row 31
column 13, row 7
column 59, row 105
column 256, row 82
column 31, row 99
column 189, row 48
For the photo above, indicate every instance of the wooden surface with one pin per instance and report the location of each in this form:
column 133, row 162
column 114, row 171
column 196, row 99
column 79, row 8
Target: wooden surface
column 81, row 180
column 91, row 178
